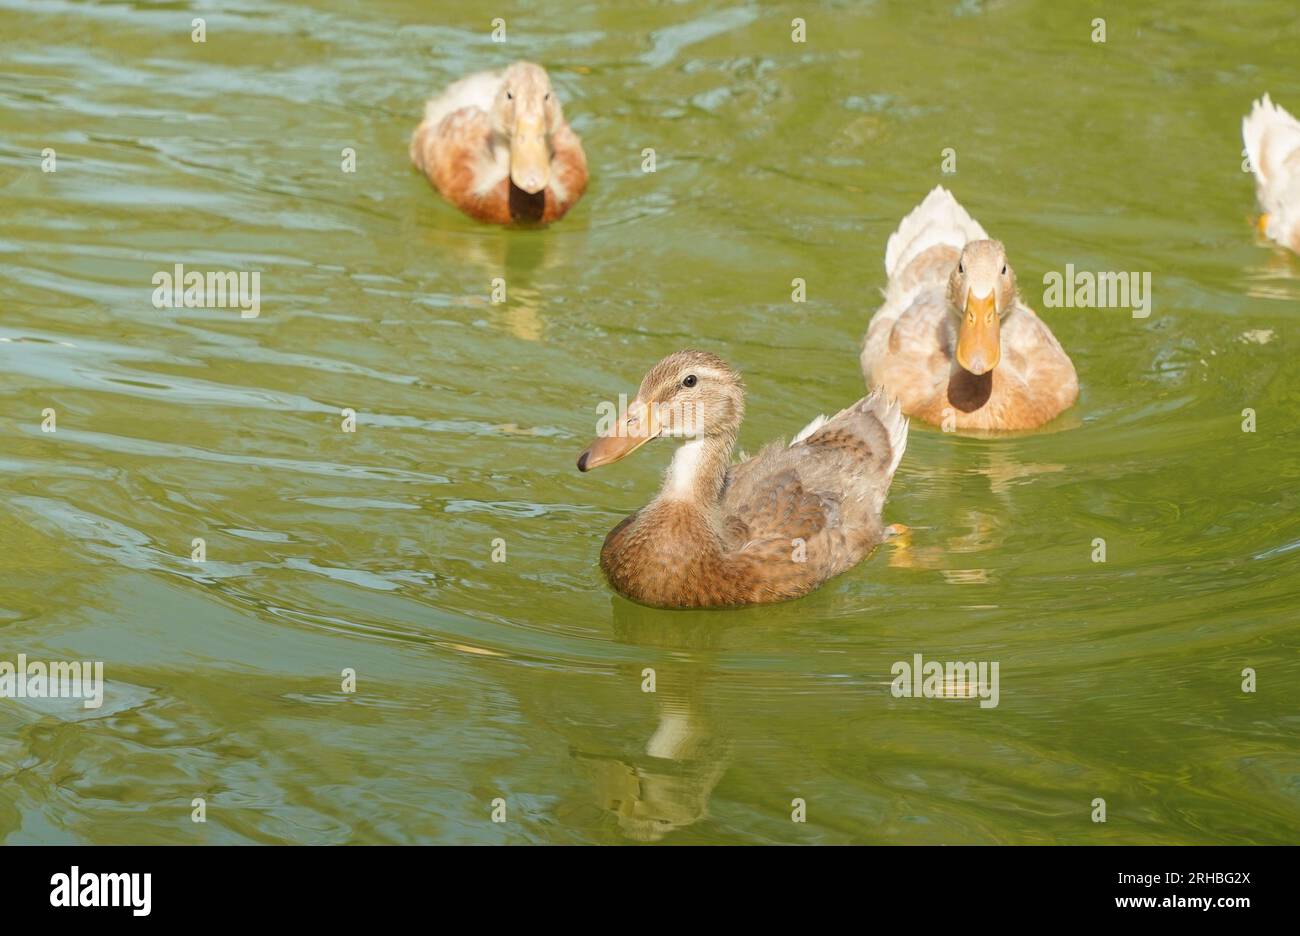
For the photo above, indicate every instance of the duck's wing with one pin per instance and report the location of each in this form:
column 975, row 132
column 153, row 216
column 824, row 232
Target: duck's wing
column 910, row 355
column 473, row 95
column 1039, row 376
column 1272, row 139
column 460, row 136
column 767, row 505
column 452, row 147
column 457, row 157
column 822, row 495
column 568, row 173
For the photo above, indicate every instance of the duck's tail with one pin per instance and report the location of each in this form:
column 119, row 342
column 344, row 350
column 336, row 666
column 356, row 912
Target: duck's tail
column 874, row 425
column 939, row 219
column 1270, row 135
column 888, row 414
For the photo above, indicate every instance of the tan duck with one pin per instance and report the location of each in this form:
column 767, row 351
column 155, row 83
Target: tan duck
column 953, row 342
column 1272, row 138
column 496, row 145
column 769, row 528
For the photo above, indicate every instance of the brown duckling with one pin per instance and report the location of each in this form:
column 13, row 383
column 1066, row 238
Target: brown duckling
column 768, row 528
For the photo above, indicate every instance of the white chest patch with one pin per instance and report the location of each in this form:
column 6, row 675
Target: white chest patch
column 680, row 484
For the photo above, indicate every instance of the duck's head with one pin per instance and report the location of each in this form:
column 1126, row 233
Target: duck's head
column 690, row 395
column 525, row 113
column 981, row 291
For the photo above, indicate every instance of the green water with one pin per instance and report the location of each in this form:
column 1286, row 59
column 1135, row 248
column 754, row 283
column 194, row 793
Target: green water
column 522, row 680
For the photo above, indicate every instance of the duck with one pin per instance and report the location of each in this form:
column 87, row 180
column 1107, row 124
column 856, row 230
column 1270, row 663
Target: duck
column 496, row 145
column 767, row 528
column 953, row 342
column 1272, row 138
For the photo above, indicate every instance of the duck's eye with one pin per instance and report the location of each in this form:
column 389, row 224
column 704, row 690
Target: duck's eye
column 509, row 96
column 690, row 381
column 961, row 267
column 546, row 96
column 1004, row 269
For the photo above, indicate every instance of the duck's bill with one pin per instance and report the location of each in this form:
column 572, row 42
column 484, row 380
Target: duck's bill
column 978, row 346
column 530, row 157
column 634, row 430
column 1263, row 224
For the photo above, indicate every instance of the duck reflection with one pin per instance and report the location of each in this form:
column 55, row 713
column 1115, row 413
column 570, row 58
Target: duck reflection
column 665, row 785
column 520, row 261
column 1277, row 277
column 976, row 529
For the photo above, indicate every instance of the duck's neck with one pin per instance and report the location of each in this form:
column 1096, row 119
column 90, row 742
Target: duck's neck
column 698, row 471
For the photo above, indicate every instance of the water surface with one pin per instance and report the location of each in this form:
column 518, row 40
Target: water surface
column 522, row 680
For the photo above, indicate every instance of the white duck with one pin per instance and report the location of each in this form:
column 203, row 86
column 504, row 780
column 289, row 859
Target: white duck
column 1272, row 138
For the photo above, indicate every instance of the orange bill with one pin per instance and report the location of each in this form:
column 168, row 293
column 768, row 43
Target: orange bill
column 978, row 345
column 530, row 157
column 634, row 429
